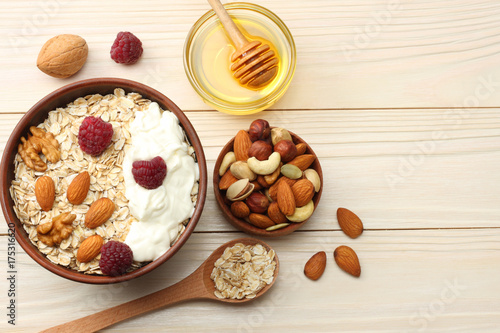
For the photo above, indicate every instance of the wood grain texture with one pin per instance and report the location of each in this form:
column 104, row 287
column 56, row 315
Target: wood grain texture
column 411, row 281
column 400, row 99
column 356, row 54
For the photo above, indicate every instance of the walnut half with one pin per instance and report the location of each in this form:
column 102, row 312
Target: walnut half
column 39, row 142
column 54, row 232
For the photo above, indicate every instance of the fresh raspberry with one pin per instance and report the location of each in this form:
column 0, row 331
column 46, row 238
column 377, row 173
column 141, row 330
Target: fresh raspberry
column 150, row 174
column 126, row 49
column 94, row 135
column 116, row 258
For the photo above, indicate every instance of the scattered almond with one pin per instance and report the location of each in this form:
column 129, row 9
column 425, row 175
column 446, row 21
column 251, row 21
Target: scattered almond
column 45, row 192
column 78, row 189
column 242, row 144
column 99, row 212
column 349, row 222
column 347, row 260
column 90, row 248
column 315, row 266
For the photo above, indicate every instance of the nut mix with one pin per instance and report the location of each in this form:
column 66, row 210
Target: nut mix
column 72, row 203
column 267, row 177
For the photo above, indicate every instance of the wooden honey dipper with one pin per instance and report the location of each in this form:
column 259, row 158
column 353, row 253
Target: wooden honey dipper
column 253, row 63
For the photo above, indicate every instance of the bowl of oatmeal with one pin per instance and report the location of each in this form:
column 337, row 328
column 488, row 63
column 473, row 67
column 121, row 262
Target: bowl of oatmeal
column 103, row 180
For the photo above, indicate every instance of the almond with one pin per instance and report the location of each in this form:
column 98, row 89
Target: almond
column 301, row 148
column 303, row 161
column 240, row 209
column 303, row 192
column 273, row 190
column 242, row 144
column 262, row 181
column 227, row 180
column 45, row 192
column 347, row 260
column 90, row 248
column 286, row 201
column 315, row 266
column 100, row 211
column 257, row 186
column 349, row 222
column 271, row 179
column 260, row 220
column 275, row 214
column 78, row 189
column 62, row 55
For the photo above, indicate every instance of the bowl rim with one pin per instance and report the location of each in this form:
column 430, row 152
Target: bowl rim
column 60, row 97
column 246, row 227
column 258, row 105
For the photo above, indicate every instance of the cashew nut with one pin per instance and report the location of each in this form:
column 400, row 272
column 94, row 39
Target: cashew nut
column 228, row 159
column 265, row 167
column 302, row 213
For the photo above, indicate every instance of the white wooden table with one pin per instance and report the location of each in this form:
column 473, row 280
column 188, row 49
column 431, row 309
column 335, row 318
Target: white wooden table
column 401, row 101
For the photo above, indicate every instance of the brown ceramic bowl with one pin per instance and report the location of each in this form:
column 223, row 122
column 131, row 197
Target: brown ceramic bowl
column 37, row 114
column 242, row 224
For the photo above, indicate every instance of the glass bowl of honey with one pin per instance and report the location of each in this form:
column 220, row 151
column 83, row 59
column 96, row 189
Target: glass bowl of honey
column 207, row 59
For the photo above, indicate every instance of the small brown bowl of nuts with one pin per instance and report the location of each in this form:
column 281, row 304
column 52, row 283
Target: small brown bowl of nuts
column 103, row 180
column 267, row 180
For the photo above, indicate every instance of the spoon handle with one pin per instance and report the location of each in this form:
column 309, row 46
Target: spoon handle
column 236, row 36
column 190, row 288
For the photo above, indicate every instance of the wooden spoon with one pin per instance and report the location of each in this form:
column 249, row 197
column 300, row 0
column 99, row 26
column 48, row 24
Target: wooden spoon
column 254, row 64
column 198, row 285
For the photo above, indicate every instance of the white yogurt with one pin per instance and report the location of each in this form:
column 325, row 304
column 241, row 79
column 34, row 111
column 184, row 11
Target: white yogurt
column 160, row 211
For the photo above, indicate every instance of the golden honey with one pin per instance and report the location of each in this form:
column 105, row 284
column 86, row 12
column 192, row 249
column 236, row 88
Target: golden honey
column 207, row 59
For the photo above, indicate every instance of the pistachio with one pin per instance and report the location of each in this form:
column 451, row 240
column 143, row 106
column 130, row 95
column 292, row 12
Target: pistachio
column 291, row 171
column 302, row 213
column 228, row 159
column 265, row 167
column 239, row 190
column 240, row 170
column 313, row 176
column 278, row 134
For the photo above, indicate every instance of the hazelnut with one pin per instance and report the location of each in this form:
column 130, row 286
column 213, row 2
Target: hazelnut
column 259, row 130
column 261, row 150
column 286, row 149
column 257, row 202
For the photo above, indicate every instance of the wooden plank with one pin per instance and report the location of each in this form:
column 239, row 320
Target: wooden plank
column 356, row 54
column 395, row 168
column 434, row 280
